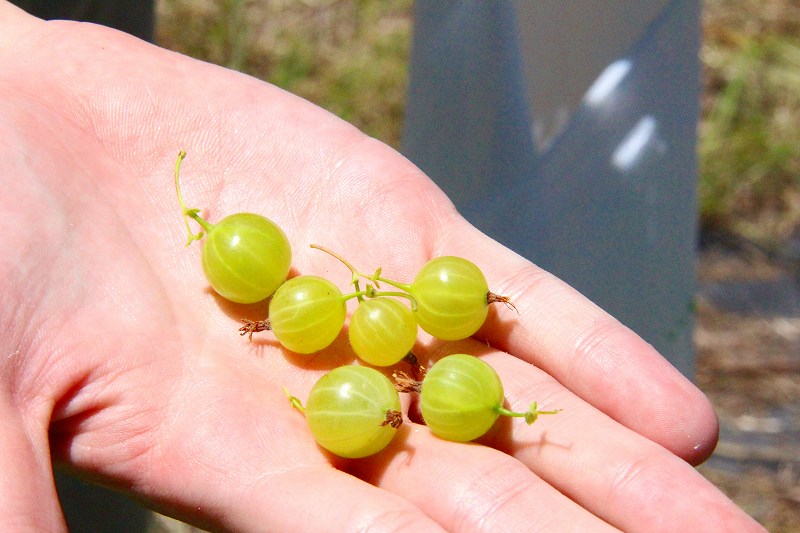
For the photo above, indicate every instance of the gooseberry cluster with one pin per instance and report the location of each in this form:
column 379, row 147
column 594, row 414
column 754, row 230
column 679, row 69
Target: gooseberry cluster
column 449, row 298
column 354, row 411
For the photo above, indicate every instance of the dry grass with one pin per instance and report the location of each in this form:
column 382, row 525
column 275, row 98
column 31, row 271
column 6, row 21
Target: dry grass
column 349, row 57
column 749, row 136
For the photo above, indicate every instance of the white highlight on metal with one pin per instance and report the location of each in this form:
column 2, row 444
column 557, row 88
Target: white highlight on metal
column 630, row 149
column 607, row 82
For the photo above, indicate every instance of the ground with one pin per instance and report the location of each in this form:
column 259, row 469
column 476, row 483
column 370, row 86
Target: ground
column 747, row 339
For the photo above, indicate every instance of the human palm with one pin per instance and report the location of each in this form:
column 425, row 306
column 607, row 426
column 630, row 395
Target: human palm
column 126, row 367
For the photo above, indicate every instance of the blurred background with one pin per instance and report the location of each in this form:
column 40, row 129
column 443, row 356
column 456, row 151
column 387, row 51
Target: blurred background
column 351, row 57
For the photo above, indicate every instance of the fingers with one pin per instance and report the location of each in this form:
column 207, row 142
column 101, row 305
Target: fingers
column 232, row 454
column 470, row 487
column 302, row 495
column 299, row 499
column 610, row 470
column 224, row 451
column 28, row 501
column 324, row 499
column 577, row 470
column 596, row 357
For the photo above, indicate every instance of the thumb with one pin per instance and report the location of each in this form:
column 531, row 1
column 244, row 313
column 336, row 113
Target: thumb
column 28, row 499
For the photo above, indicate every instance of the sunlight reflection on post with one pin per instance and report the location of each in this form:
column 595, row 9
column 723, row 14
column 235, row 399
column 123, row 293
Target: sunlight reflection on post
column 607, row 82
column 632, row 147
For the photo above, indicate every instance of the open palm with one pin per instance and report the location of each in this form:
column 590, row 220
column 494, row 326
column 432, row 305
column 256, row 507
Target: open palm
column 119, row 362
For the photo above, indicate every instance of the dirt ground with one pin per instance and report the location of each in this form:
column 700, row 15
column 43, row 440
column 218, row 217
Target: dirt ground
column 748, row 360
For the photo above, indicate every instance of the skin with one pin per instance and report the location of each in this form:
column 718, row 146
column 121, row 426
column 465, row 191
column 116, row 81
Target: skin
column 118, row 363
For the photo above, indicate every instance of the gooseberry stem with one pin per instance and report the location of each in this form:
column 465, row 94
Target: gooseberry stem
column 393, row 418
column 530, row 415
column 345, row 262
column 405, row 383
column 375, row 278
column 253, row 326
column 359, row 295
column 294, row 400
column 372, row 293
column 492, row 298
column 418, row 369
column 188, row 212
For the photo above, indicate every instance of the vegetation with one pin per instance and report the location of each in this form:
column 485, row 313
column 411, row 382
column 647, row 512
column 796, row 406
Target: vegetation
column 349, row 57
column 749, row 143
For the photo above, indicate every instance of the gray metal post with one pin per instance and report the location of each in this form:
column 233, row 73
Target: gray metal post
column 571, row 142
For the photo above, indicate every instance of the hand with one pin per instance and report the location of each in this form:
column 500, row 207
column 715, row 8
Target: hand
column 118, row 362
